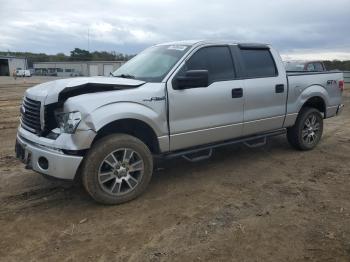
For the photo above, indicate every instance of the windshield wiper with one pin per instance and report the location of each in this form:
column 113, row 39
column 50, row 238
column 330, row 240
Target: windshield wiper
column 125, row 76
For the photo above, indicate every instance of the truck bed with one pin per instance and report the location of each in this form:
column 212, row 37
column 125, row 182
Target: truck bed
column 302, row 84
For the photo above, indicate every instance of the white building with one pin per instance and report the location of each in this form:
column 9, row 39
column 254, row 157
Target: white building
column 76, row 68
column 9, row 64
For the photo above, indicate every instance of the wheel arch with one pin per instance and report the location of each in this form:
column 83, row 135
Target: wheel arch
column 316, row 102
column 315, row 96
column 146, row 123
column 133, row 127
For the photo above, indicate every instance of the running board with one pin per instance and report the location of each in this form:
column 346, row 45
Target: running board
column 185, row 153
column 195, row 157
column 256, row 142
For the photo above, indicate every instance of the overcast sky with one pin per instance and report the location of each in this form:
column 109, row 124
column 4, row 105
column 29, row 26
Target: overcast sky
column 298, row 28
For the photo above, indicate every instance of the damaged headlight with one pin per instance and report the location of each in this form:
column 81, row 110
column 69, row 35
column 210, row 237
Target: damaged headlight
column 68, row 122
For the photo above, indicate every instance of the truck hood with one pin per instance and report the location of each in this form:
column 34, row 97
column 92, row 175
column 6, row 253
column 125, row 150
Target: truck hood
column 60, row 90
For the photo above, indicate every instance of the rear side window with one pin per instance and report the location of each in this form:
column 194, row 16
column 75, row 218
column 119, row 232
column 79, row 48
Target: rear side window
column 258, row 63
column 217, row 60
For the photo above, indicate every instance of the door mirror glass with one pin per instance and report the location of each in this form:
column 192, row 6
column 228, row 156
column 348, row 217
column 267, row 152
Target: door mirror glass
column 192, row 79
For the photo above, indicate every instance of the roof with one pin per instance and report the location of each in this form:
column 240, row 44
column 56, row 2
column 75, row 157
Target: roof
column 203, row 42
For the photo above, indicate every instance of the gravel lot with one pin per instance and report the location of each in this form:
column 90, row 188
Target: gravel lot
column 265, row 204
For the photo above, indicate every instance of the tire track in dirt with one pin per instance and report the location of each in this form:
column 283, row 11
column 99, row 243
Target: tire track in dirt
column 34, row 199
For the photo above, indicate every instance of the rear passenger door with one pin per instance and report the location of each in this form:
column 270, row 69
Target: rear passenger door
column 209, row 114
column 265, row 89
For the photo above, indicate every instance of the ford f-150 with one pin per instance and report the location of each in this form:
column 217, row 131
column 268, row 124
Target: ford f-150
column 173, row 99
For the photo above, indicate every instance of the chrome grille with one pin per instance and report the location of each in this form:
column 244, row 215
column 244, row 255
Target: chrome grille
column 30, row 119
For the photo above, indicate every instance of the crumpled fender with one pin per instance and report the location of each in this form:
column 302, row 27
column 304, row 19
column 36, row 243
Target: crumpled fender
column 126, row 110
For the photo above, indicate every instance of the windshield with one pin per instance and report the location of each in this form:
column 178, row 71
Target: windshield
column 153, row 64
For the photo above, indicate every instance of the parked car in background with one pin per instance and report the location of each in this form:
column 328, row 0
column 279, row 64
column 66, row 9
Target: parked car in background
column 305, row 66
column 23, row 73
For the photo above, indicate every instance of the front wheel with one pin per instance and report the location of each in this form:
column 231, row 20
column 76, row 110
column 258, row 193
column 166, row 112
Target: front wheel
column 117, row 169
column 307, row 131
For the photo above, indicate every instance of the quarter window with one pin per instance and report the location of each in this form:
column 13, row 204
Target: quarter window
column 217, row 60
column 258, row 63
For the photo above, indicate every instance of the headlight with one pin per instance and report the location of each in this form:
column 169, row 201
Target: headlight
column 68, row 122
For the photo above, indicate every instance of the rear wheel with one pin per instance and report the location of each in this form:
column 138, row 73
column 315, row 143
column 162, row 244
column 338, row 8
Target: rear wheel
column 117, row 169
column 307, row 131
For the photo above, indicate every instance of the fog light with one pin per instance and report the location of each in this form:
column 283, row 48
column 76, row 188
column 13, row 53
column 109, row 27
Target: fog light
column 43, row 163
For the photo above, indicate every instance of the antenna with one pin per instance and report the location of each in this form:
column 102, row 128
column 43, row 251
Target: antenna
column 88, row 39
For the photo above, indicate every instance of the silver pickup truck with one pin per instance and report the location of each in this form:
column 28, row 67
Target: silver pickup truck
column 174, row 99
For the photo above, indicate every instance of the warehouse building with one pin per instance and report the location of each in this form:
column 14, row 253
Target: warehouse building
column 9, row 64
column 76, row 68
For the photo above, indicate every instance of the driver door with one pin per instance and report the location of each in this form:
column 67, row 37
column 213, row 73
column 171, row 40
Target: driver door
column 204, row 115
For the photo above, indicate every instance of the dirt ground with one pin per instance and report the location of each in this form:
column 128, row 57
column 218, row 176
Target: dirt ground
column 265, row 204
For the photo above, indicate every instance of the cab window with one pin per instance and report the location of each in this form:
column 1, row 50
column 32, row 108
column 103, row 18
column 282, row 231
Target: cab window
column 257, row 63
column 216, row 59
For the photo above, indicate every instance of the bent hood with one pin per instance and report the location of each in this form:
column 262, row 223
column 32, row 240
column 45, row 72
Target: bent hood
column 60, row 90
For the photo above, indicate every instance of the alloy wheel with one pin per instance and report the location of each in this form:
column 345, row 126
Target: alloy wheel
column 121, row 171
column 311, row 130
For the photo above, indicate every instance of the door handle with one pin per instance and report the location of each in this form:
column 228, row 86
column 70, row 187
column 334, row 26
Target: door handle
column 279, row 88
column 237, row 92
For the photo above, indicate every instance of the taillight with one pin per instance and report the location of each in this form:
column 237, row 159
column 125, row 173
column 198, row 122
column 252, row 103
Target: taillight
column 341, row 85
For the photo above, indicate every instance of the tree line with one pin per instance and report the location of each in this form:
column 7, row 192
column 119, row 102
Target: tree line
column 336, row 64
column 75, row 55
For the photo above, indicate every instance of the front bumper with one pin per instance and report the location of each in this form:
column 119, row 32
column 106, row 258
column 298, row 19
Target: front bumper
column 44, row 160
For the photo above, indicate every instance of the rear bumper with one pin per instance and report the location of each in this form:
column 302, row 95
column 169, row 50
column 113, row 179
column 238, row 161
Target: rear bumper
column 51, row 162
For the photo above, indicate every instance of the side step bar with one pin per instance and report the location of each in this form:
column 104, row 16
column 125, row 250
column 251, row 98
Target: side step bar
column 250, row 141
column 256, row 142
column 193, row 158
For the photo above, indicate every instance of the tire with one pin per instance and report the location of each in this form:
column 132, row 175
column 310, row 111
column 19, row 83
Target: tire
column 305, row 134
column 117, row 169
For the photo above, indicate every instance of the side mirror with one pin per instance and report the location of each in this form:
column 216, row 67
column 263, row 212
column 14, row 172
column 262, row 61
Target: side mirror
column 192, row 79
